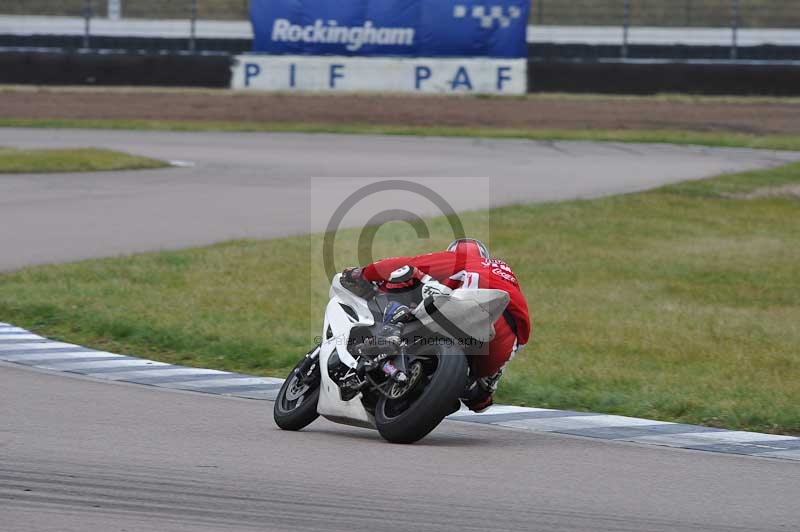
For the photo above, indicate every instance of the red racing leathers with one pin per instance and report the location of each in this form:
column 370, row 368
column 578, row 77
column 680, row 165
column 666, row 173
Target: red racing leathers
column 512, row 330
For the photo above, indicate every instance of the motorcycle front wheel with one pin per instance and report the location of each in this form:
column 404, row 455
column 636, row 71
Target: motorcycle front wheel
column 296, row 403
column 438, row 379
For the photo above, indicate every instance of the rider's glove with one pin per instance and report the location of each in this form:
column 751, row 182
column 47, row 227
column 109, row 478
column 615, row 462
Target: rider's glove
column 353, row 280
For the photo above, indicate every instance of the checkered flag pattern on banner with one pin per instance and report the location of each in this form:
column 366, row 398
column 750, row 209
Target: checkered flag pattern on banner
column 488, row 14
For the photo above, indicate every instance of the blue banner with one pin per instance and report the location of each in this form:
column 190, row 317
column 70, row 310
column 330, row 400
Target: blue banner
column 411, row 28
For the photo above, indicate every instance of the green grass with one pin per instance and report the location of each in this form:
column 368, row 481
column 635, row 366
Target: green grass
column 678, row 304
column 71, row 160
column 730, row 140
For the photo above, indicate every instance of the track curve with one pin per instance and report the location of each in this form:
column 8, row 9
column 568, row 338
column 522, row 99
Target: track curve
column 260, row 185
column 82, row 455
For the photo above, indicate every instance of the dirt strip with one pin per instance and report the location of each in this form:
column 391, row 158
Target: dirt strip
column 759, row 117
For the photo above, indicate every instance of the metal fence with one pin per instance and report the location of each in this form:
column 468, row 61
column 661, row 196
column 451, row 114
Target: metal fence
column 628, row 21
column 668, row 13
column 652, row 17
column 144, row 9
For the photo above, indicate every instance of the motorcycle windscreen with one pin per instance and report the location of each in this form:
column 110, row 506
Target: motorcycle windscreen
column 466, row 315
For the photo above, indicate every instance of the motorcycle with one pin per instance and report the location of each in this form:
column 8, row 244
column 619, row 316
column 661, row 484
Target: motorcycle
column 389, row 364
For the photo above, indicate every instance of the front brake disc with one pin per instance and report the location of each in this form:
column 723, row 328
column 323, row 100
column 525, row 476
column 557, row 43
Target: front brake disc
column 398, row 390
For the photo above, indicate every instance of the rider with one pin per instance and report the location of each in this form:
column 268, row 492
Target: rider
column 465, row 264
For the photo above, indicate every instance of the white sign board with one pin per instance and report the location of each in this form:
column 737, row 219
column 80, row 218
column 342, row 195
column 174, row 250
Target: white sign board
column 379, row 74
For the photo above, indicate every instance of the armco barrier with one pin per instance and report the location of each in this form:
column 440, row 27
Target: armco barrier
column 538, row 51
column 127, row 44
column 97, row 68
column 664, row 52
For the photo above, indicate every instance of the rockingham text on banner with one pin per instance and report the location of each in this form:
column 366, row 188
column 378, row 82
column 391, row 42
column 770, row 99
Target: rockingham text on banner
column 411, row 28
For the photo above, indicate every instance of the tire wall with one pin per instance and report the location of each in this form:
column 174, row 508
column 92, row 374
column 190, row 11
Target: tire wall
column 651, row 77
column 558, row 75
column 76, row 68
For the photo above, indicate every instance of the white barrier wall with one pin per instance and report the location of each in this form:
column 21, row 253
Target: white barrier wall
column 379, row 74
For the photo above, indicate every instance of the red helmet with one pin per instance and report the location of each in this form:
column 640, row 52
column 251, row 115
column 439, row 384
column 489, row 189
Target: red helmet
column 470, row 247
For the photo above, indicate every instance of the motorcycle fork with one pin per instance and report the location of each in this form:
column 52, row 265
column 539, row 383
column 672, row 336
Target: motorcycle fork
column 306, row 368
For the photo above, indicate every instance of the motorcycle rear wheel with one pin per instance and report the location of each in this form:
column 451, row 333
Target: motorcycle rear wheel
column 296, row 403
column 408, row 420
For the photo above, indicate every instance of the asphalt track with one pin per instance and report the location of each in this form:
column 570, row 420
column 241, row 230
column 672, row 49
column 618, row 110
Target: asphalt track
column 82, row 455
column 79, row 455
column 267, row 185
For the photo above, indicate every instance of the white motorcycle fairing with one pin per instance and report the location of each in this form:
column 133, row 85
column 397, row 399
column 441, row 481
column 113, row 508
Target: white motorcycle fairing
column 464, row 314
column 335, row 335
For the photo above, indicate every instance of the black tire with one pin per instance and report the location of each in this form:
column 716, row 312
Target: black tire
column 295, row 414
column 434, row 403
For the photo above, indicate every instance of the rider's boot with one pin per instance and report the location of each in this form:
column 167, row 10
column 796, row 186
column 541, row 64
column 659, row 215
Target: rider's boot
column 480, row 394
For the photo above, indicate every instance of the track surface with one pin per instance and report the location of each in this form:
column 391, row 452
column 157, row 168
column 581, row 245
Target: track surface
column 79, row 455
column 267, row 185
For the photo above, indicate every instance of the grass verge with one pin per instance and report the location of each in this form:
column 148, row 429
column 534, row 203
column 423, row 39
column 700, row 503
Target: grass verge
column 71, row 160
column 679, row 304
column 534, row 96
column 730, row 140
